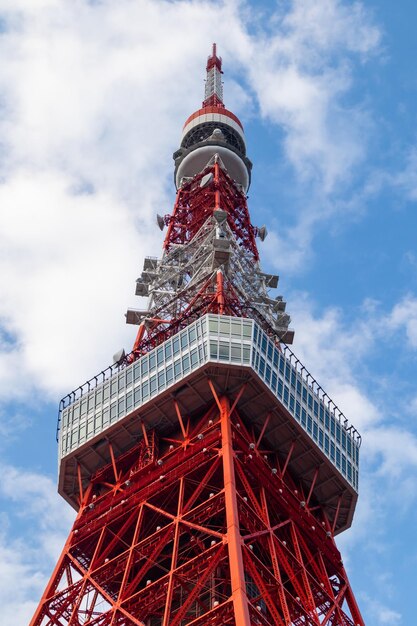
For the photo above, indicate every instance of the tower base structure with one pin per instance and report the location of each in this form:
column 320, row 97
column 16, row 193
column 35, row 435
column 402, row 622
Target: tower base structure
column 205, row 527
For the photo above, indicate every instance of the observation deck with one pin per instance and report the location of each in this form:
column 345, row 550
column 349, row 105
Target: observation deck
column 229, row 351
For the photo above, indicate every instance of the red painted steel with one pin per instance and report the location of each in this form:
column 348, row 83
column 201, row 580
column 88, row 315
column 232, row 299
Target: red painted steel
column 208, row 527
column 199, row 532
column 193, row 205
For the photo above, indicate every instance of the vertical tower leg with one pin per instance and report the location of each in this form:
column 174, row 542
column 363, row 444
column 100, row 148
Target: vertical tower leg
column 234, row 542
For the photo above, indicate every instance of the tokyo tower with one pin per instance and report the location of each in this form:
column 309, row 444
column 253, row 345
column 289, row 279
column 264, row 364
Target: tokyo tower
column 209, row 469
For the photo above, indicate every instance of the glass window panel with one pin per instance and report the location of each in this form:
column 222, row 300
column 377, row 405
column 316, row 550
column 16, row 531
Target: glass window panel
column 184, row 340
column 262, row 366
column 113, row 388
column 224, row 327
column 106, row 414
column 349, row 470
column 145, row 366
column 176, row 345
column 91, row 402
column 160, row 356
column 177, row 369
column 153, row 384
column 236, row 329
column 145, row 391
column 268, row 374
column 236, row 352
column 128, row 376
column 98, row 421
column 338, row 432
column 246, row 354
column 304, row 417
column 213, row 325
column 129, row 400
column 193, row 335
column 152, row 361
column 99, row 396
column 213, row 349
column 113, row 411
column 161, row 379
column 170, row 373
column 168, row 350
column 185, row 363
column 194, row 357
column 287, row 372
column 247, row 329
column 121, row 406
column 224, row 351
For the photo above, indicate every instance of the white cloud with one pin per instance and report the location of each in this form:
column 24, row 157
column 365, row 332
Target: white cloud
column 383, row 614
column 301, row 76
column 93, row 96
column 32, row 508
column 337, row 353
column 67, row 268
column 407, row 178
column 404, row 316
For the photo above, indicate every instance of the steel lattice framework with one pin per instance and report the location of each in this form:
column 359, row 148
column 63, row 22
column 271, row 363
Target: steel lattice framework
column 208, row 504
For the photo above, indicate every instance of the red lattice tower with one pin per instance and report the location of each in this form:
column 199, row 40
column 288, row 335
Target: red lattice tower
column 209, row 469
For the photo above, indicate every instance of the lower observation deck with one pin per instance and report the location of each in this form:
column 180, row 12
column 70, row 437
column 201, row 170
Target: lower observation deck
column 230, row 351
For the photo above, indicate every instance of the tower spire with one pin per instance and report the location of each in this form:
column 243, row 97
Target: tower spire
column 213, row 94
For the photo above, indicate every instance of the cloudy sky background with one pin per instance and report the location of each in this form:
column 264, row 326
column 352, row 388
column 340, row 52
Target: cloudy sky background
column 93, row 96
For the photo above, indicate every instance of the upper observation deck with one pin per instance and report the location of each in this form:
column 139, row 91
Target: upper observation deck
column 227, row 350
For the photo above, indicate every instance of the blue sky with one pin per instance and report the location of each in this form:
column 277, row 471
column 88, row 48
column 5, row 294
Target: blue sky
column 93, row 96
